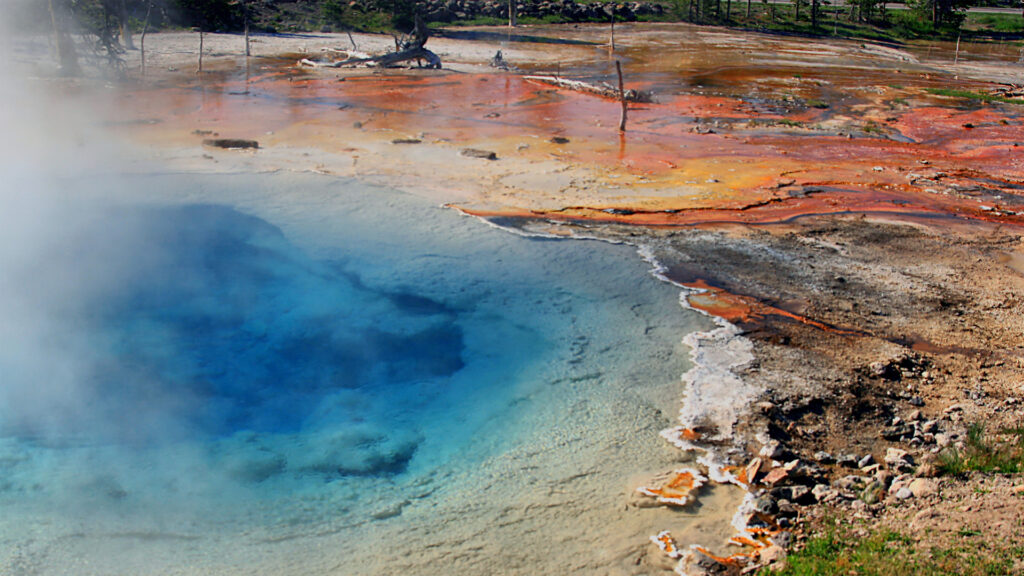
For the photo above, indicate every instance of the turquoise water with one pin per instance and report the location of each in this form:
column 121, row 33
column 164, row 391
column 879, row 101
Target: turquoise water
column 297, row 374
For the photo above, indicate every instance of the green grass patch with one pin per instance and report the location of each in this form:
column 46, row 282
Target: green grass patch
column 982, row 452
column 872, row 127
column 971, row 95
column 840, row 552
column 1002, row 23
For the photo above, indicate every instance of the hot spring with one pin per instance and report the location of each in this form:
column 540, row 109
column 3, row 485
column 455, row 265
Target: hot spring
column 299, row 374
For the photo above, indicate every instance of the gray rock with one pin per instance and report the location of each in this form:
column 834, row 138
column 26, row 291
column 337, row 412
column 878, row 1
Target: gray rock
column 851, row 482
column 885, row 370
column 823, row 457
column 823, row 493
column 476, row 153
column 896, row 432
column 772, row 450
column 904, row 494
column 896, row 456
column 923, row 487
column 866, row 461
column 787, row 508
column 766, row 505
column 793, row 493
column 848, row 460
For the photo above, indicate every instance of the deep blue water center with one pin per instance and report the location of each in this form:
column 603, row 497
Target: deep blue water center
column 246, row 330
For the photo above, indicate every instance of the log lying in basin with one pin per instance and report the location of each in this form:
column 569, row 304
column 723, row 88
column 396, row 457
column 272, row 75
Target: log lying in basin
column 410, row 49
column 603, row 90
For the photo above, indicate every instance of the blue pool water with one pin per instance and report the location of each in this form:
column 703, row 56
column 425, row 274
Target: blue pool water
column 287, row 374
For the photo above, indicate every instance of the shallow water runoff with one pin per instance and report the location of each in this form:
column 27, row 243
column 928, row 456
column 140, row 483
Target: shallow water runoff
column 299, row 374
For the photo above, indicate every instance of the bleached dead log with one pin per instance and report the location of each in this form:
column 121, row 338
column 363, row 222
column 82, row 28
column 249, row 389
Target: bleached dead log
column 390, row 59
column 348, row 53
column 410, row 49
column 603, row 90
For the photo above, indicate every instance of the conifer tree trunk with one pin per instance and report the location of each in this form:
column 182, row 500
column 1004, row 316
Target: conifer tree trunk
column 67, row 58
column 126, row 29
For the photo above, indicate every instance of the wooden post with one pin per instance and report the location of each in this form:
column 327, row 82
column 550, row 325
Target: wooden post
column 612, row 43
column 512, row 9
column 199, row 70
column 245, row 15
column 622, row 97
column 956, row 58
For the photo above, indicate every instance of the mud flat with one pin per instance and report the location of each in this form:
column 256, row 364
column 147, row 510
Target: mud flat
column 860, row 230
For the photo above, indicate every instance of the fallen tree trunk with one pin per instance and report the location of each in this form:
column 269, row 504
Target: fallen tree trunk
column 603, row 90
column 406, row 50
column 384, row 60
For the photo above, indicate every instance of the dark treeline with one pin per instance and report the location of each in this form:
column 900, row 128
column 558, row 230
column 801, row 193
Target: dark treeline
column 279, row 15
column 111, row 24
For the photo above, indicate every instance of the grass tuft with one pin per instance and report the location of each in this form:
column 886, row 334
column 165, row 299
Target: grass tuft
column 969, row 95
column 841, row 552
column 1001, row 453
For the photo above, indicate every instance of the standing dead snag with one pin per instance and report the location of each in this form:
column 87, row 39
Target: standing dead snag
column 611, row 42
column 245, row 14
column 622, row 98
column 199, row 70
column 142, row 39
